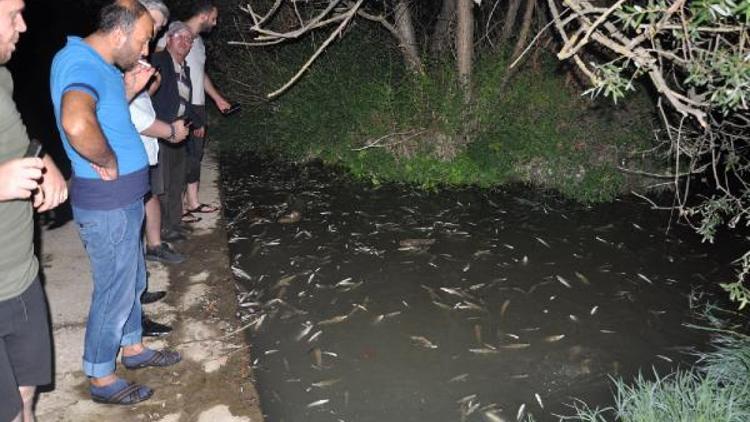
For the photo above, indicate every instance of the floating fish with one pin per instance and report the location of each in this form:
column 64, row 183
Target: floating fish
column 461, row 378
column 563, row 281
column 594, row 309
column 521, row 411
column 504, row 308
column 583, row 278
column 423, row 342
column 484, row 351
column 539, row 400
column 326, row 383
column 318, row 403
column 552, row 339
column 240, row 273
column 542, row 241
column 644, row 278
column 516, row 346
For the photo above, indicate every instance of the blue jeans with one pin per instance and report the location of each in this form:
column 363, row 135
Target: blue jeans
column 112, row 239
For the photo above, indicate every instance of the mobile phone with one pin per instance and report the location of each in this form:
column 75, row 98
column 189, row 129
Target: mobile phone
column 232, row 109
column 34, row 149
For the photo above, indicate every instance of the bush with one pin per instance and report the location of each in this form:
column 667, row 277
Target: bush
column 356, row 108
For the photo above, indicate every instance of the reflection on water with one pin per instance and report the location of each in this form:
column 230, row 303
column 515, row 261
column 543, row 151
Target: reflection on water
column 387, row 304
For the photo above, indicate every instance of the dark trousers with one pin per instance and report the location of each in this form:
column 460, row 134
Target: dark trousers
column 194, row 146
column 172, row 161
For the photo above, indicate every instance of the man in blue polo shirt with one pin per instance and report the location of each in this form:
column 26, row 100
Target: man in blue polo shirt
column 110, row 178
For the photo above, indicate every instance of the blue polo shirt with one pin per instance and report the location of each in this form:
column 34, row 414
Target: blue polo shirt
column 78, row 67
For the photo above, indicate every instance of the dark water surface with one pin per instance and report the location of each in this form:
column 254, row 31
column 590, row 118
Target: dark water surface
column 390, row 304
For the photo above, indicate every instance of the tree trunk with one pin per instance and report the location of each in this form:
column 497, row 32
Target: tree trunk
column 407, row 38
column 441, row 34
column 465, row 44
column 528, row 18
column 510, row 20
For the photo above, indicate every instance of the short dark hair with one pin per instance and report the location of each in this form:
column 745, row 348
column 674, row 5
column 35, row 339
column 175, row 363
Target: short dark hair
column 202, row 6
column 120, row 14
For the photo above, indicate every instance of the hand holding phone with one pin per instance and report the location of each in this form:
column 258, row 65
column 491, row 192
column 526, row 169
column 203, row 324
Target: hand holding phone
column 34, row 150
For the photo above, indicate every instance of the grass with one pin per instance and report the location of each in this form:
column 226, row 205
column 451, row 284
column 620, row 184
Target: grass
column 718, row 389
column 536, row 130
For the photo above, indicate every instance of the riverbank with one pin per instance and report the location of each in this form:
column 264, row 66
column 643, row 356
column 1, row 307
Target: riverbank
column 214, row 380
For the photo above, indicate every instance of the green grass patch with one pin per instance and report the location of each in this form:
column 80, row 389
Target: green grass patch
column 419, row 130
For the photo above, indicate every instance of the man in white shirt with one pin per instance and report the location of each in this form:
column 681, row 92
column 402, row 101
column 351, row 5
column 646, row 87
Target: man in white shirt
column 203, row 19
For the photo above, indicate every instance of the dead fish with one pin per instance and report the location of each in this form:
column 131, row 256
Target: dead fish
column 317, row 356
column 563, row 281
column 644, row 278
column 335, row 320
column 542, row 241
column 594, row 309
column 484, row 351
column 442, row 305
column 345, row 282
column 416, row 243
column 305, row 331
column 457, row 378
column 664, row 358
column 326, row 383
column 315, row 336
column 607, row 332
column 285, row 281
column 583, row 278
column 573, row 318
column 240, row 273
column 515, row 346
column 478, row 333
column 509, row 246
column 513, row 336
column 318, row 403
column 552, row 339
column 378, row 319
column 492, row 416
column 521, row 411
column 539, row 400
column 423, row 342
column 504, row 308
column 525, row 260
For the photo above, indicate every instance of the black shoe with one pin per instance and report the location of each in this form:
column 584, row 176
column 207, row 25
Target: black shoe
column 154, row 329
column 172, row 235
column 164, row 253
column 151, row 297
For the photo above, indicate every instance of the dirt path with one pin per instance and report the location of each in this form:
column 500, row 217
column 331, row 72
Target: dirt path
column 213, row 383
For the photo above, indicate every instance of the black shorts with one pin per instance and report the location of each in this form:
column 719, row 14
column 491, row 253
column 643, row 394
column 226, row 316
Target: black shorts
column 25, row 351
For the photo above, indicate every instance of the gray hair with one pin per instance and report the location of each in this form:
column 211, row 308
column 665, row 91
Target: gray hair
column 158, row 6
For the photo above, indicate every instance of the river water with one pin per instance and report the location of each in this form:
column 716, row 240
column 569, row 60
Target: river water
column 394, row 304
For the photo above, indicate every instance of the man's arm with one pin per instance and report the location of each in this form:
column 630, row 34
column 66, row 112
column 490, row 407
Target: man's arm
column 221, row 103
column 78, row 118
column 175, row 132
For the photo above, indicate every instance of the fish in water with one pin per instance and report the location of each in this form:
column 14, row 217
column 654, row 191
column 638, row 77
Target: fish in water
column 318, row 403
column 423, row 342
column 563, row 281
column 555, row 338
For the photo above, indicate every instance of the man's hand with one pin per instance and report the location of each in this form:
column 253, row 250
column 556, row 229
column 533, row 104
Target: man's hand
column 222, row 104
column 180, row 131
column 53, row 189
column 200, row 132
column 19, row 178
column 108, row 173
column 136, row 79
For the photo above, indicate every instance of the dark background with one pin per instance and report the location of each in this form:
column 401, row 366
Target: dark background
column 49, row 23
